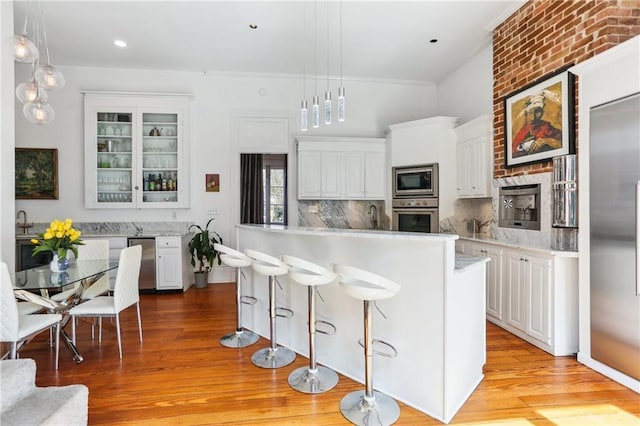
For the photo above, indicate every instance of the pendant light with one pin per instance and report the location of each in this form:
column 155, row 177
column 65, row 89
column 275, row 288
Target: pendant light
column 341, row 101
column 47, row 75
column 315, row 111
column 38, row 111
column 304, row 116
column 28, row 91
column 327, row 93
column 24, row 50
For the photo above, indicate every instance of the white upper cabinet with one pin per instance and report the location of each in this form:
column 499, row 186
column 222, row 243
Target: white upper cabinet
column 135, row 151
column 474, row 155
column 341, row 168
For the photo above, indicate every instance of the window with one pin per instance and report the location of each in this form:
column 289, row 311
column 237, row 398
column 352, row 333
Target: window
column 274, row 185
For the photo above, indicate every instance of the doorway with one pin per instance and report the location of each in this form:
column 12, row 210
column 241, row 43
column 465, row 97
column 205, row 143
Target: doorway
column 263, row 189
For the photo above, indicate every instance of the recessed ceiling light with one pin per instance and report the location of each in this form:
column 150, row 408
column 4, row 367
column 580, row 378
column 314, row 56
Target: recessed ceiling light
column 120, row 43
column 253, row 26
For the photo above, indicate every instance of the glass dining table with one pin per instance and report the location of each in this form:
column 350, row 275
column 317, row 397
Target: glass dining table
column 80, row 275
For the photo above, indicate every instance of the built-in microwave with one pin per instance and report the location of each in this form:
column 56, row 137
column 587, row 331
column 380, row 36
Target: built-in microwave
column 415, row 181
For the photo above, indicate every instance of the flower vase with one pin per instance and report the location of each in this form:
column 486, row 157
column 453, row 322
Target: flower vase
column 58, row 265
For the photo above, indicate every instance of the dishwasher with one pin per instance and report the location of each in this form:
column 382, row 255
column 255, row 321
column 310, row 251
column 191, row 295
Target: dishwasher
column 147, row 281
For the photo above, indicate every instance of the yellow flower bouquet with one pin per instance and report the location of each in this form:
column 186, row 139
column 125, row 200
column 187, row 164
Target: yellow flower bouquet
column 58, row 238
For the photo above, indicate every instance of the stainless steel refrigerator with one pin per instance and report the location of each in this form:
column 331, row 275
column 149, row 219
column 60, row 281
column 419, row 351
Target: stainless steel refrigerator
column 614, row 210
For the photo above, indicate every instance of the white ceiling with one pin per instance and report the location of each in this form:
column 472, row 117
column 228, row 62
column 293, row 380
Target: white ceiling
column 381, row 39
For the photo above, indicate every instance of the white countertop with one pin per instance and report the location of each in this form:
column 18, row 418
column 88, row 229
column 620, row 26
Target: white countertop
column 541, row 249
column 352, row 232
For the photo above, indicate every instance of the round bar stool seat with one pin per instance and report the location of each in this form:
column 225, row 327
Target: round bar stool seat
column 239, row 338
column 314, row 378
column 368, row 406
column 274, row 356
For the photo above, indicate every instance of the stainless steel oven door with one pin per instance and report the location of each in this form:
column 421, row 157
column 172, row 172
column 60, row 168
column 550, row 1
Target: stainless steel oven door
column 416, row 220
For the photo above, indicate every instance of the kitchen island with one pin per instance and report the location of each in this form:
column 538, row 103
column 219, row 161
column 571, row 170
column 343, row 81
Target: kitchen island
column 436, row 322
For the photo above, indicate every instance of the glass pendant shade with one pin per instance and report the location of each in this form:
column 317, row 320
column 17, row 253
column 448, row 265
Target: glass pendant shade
column 50, row 77
column 327, row 107
column 39, row 112
column 28, row 92
column 315, row 112
column 341, row 104
column 304, row 116
column 24, row 50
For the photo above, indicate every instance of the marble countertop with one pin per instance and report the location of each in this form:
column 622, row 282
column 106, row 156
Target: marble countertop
column 464, row 261
column 546, row 250
column 352, row 232
column 113, row 235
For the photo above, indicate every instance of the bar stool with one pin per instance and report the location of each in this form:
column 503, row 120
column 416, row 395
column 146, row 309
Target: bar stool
column 314, row 378
column 368, row 406
column 273, row 356
column 239, row 338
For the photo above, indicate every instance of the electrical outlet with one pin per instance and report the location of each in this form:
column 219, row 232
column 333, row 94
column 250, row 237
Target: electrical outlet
column 174, row 215
column 211, row 211
column 312, row 209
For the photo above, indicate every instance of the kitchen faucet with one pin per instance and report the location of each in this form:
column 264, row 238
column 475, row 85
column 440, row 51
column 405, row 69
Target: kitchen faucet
column 373, row 212
column 24, row 225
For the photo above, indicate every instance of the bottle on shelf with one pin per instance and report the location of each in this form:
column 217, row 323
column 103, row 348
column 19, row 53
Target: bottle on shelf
column 152, row 182
column 164, row 183
column 145, row 182
column 159, row 182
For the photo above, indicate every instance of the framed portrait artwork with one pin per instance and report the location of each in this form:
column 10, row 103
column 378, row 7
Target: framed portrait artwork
column 212, row 182
column 539, row 120
column 36, row 174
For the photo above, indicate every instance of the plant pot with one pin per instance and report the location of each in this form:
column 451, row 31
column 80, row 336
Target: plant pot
column 201, row 279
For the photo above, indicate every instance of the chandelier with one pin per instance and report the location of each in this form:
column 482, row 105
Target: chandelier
column 33, row 92
column 315, row 107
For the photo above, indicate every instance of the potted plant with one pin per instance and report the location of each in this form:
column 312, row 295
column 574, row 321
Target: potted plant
column 202, row 252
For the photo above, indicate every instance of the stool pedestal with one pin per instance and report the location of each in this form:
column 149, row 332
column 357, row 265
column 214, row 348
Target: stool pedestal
column 369, row 407
column 240, row 338
column 314, row 378
column 273, row 356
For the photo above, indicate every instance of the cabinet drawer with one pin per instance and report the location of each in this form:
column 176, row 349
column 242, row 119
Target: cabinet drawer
column 162, row 242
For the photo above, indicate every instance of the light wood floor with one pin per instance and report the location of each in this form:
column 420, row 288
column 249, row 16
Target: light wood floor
column 181, row 375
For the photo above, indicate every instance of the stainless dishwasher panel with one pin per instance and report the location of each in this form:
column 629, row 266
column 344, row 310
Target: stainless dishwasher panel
column 148, row 266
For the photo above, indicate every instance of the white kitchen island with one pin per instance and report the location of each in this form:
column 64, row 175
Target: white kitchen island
column 436, row 322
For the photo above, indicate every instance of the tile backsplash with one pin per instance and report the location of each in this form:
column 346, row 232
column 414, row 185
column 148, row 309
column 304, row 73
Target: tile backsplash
column 343, row 214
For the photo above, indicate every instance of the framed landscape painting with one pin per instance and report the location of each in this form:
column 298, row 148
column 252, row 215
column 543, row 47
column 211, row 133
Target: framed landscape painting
column 539, row 120
column 36, row 174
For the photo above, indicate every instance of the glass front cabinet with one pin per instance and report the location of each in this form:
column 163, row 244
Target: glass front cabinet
column 135, row 151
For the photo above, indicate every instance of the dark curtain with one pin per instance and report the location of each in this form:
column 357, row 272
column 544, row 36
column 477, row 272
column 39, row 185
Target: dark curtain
column 251, row 202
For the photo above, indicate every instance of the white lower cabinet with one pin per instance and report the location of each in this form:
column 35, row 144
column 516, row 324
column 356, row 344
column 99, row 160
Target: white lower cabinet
column 528, row 307
column 531, row 293
column 168, row 263
column 494, row 278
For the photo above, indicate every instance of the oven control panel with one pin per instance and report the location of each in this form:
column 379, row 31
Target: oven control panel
column 415, row 202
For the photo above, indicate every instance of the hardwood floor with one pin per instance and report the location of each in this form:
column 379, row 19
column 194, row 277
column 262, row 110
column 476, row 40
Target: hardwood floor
column 181, row 375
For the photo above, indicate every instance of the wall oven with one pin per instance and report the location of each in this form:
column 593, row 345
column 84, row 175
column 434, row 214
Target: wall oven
column 415, row 181
column 416, row 215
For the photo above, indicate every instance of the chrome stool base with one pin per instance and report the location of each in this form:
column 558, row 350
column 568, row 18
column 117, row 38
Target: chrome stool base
column 239, row 339
column 273, row 358
column 321, row 380
column 381, row 410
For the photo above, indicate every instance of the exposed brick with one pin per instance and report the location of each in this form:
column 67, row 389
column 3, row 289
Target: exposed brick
column 542, row 37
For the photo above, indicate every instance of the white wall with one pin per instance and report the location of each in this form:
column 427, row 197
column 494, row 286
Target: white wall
column 371, row 107
column 7, row 187
column 468, row 92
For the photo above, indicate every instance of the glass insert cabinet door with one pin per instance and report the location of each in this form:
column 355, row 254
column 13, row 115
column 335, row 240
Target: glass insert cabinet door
column 160, row 159
column 114, row 158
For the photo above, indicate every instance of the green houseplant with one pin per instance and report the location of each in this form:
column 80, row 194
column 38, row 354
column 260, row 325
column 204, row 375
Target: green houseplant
column 202, row 251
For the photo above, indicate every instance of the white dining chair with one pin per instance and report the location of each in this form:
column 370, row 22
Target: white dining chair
column 125, row 294
column 19, row 329
column 91, row 250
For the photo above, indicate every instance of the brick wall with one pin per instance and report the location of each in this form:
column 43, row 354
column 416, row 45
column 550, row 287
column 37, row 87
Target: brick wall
column 543, row 36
